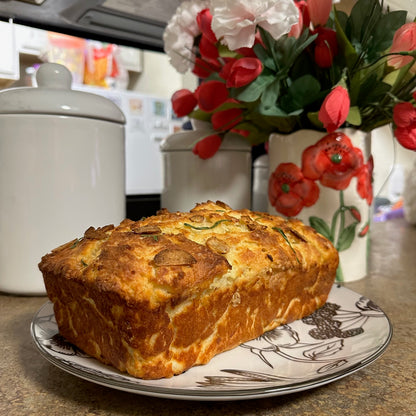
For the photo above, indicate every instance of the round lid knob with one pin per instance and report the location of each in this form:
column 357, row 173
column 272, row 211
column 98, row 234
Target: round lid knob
column 54, row 96
column 54, row 76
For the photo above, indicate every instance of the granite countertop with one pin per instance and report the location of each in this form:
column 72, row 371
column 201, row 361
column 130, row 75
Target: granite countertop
column 30, row 385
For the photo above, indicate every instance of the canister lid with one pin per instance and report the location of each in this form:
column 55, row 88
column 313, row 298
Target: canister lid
column 186, row 140
column 54, row 96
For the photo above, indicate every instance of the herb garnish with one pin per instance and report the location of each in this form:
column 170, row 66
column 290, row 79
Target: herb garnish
column 76, row 242
column 205, row 227
column 287, row 241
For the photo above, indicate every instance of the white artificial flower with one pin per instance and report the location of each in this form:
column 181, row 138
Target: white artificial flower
column 235, row 21
column 180, row 33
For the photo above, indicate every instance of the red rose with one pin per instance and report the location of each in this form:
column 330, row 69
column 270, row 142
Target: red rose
column 290, row 191
column 208, row 146
column 243, row 71
column 334, row 109
column 183, row 102
column 332, row 160
column 227, row 119
column 211, row 94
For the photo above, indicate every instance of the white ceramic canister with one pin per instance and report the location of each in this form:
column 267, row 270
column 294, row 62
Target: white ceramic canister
column 188, row 179
column 62, row 169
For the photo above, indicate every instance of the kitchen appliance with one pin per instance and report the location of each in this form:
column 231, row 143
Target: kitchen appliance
column 62, row 170
column 149, row 120
column 125, row 22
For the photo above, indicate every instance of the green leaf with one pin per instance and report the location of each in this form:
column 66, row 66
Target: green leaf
column 270, row 96
column 264, row 57
column 354, row 116
column 384, row 32
column 302, row 92
column 348, row 51
column 364, row 15
column 321, row 227
column 313, row 117
column 253, row 91
column 346, row 237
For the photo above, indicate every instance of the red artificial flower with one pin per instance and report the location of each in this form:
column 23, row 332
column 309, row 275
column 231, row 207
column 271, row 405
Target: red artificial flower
column 243, row 71
column 404, row 40
column 326, row 46
column 203, row 68
column 227, row 119
column 404, row 117
column 204, row 19
column 224, row 73
column 297, row 28
column 365, row 181
column 335, row 109
column 319, row 11
column 208, row 146
column 290, row 191
column 333, row 160
column 183, row 102
column 209, row 51
column 211, row 94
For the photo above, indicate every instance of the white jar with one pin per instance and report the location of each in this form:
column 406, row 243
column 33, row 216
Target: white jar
column 188, row 179
column 62, row 170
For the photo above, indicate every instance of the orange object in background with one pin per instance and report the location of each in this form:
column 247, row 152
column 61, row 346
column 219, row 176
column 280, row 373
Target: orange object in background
column 68, row 51
column 100, row 64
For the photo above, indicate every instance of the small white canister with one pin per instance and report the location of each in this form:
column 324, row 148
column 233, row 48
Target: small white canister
column 62, row 169
column 188, row 179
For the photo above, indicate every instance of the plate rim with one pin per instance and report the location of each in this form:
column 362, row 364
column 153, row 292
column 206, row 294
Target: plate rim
column 208, row 395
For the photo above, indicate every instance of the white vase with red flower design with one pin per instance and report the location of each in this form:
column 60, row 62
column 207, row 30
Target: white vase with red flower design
column 325, row 180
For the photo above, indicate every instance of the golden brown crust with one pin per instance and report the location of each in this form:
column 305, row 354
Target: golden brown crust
column 157, row 296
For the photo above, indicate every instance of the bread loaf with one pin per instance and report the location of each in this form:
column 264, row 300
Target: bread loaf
column 160, row 295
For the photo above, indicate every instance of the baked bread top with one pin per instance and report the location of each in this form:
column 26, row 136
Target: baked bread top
column 169, row 257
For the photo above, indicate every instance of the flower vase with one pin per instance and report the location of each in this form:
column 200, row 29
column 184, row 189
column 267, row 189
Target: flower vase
column 325, row 180
column 188, row 179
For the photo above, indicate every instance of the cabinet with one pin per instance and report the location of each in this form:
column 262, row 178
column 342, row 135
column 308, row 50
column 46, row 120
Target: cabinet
column 9, row 62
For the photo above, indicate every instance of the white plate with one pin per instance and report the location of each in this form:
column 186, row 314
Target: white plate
column 347, row 334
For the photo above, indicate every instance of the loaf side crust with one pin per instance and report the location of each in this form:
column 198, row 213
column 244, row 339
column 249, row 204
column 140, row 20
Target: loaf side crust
column 158, row 296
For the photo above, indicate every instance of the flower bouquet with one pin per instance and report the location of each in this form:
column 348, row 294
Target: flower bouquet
column 284, row 65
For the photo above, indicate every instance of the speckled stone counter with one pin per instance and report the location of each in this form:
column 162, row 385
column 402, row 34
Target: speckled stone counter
column 30, row 385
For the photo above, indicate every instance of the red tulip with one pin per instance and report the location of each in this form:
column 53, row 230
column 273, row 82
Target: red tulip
column 227, row 119
column 319, row 11
column 404, row 114
column 404, row 117
column 326, row 47
column 208, row 146
column 204, row 19
column 208, row 50
column 334, row 109
column 203, row 68
column 404, row 40
column 243, row 71
column 183, row 102
column 211, row 94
